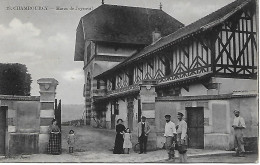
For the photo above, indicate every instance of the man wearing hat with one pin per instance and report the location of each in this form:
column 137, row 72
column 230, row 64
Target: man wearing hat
column 182, row 139
column 169, row 133
column 143, row 129
column 238, row 125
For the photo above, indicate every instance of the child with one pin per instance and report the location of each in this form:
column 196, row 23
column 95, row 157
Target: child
column 127, row 141
column 71, row 141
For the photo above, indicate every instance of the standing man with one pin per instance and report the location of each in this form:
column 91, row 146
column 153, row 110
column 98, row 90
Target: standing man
column 238, row 125
column 142, row 132
column 169, row 133
column 182, row 139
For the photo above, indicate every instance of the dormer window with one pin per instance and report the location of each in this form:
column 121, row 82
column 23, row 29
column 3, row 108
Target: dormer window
column 98, row 84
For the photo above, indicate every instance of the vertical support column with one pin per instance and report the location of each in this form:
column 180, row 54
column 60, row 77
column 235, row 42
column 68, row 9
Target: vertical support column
column 47, row 100
column 147, row 97
column 88, row 96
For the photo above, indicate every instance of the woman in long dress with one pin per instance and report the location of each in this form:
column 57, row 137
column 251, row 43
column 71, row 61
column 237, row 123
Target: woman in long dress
column 119, row 141
column 54, row 146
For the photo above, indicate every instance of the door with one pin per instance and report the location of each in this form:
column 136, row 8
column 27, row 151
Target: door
column 195, row 121
column 139, row 110
column 3, row 110
column 130, row 113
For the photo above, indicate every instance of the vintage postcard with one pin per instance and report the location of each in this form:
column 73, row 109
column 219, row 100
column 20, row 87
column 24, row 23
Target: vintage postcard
column 133, row 81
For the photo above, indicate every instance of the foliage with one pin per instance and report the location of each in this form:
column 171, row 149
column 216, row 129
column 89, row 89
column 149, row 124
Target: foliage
column 14, row 80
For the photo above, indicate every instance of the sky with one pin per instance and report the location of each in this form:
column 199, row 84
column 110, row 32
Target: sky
column 43, row 38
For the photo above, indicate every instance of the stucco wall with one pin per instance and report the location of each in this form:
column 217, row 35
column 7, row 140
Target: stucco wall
column 23, row 116
column 114, row 50
column 228, row 85
column 194, row 90
column 102, row 66
column 217, row 131
column 23, row 126
column 122, row 111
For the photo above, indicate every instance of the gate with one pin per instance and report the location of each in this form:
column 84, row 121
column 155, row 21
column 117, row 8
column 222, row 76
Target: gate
column 3, row 127
column 57, row 113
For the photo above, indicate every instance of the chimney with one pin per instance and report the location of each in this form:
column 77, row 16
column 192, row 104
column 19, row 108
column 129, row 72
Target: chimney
column 156, row 35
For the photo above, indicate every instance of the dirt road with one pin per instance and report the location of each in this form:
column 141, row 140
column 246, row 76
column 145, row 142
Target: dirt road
column 95, row 145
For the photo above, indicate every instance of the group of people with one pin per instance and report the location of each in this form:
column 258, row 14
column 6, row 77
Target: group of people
column 175, row 136
column 123, row 137
column 54, row 145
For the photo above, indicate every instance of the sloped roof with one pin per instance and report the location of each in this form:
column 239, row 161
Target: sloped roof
column 122, row 24
column 198, row 26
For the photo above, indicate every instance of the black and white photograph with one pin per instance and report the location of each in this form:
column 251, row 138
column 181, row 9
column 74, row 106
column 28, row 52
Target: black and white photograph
column 129, row 81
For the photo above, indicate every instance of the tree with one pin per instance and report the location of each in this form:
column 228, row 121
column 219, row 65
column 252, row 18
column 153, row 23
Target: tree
column 15, row 80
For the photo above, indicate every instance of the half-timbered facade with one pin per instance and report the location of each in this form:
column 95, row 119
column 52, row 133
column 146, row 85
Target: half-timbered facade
column 205, row 70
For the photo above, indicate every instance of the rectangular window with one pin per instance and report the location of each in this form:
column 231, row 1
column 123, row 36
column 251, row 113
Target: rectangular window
column 167, row 67
column 131, row 76
column 88, row 52
column 116, row 108
column 113, row 83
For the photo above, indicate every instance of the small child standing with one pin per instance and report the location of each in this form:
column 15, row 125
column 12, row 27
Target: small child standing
column 127, row 141
column 71, row 141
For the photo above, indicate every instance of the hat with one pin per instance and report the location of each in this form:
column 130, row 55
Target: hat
column 143, row 117
column 179, row 113
column 167, row 116
column 236, row 111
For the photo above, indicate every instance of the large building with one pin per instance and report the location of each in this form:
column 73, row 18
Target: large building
column 205, row 70
column 110, row 34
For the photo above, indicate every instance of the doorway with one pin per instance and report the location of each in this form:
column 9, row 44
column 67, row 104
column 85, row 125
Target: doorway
column 3, row 110
column 113, row 115
column 195, row 122
column 139, row 111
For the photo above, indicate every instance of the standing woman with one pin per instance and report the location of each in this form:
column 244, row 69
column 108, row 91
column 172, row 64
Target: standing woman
column 119, row 141
column 54, row 146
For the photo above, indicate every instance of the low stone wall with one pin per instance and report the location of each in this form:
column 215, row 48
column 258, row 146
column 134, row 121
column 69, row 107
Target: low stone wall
column 28, row 119
column 23, row 118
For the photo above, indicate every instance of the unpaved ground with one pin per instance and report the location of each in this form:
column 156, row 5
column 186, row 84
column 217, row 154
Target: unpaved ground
column 95, row 145
column 89, row 139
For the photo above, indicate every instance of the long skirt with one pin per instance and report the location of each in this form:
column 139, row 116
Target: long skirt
column 54, row 146
column 119, row 141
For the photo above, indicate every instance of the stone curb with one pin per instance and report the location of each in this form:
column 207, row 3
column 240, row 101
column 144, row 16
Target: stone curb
column 210, row 154
column 204, row 154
